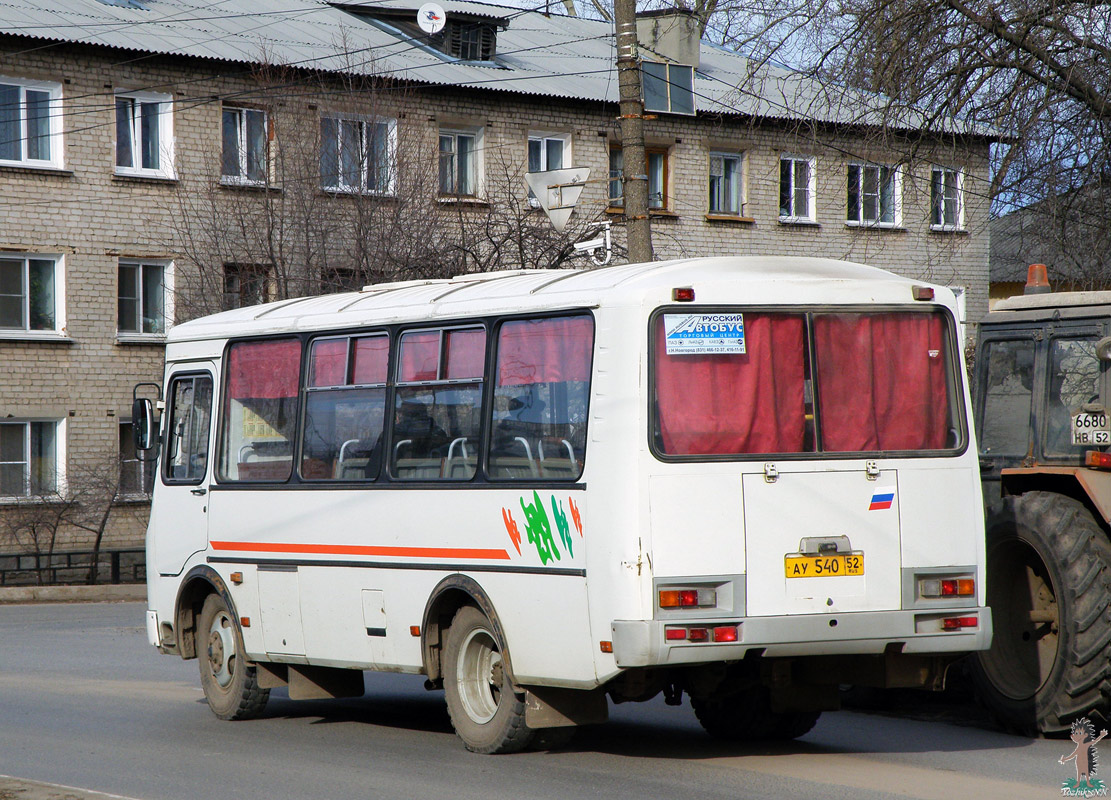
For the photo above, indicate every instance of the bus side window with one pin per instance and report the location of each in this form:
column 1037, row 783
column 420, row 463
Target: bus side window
column 260, row 410
column 186, row 457
column 438, row 404
column 541, row 394
column 345, row 408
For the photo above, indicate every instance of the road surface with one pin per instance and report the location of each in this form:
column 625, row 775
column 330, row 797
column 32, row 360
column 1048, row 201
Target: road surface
column 86, row 702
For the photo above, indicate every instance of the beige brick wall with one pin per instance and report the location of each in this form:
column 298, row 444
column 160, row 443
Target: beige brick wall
column 93, row 218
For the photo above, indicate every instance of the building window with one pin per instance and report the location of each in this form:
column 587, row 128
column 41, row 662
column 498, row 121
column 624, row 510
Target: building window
column 470, row 41
column 874, row 195
column 726, row 183
column 136, row 474
column 459, row 168
column 668, row 87
column 144, row 134
column 30, row 123
column 246, row 146
column 547, row 152
column 946, row 199
column 657, row 171
column 142, row 298
column 28, row 459
column 246, row 285
column 29, row 293
column 796, row 188
column 356, row 155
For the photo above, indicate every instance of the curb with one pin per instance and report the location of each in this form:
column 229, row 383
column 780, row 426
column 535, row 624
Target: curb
column 107, row 593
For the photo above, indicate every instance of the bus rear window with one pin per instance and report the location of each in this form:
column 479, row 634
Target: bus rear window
column 804, row 382
column 260, row 410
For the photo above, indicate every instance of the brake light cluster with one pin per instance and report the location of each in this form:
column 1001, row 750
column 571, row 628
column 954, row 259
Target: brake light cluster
column 946, row 587
column 957, row 623
column 700, row 633
column 688, row 598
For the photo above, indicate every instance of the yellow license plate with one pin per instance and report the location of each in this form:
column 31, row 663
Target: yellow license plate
column 824, row 566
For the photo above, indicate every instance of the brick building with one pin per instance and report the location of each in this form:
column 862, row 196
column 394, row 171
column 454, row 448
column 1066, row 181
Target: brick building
column 158, row 160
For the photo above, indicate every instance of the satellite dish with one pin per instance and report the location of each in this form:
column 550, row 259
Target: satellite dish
column 431, row 18
column 557, row 191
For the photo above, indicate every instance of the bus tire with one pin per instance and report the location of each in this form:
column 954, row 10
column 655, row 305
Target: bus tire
column 229, row 681
column 1049, row 589
column 747, row 717
column 486, row 709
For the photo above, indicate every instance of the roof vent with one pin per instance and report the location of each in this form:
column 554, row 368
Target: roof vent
column 136, row 4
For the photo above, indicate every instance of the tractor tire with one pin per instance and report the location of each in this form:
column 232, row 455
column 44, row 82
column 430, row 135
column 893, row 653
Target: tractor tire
column 1049, row 590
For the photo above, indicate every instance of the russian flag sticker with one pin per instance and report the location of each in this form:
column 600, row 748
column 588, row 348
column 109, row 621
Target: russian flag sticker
column 882, row 498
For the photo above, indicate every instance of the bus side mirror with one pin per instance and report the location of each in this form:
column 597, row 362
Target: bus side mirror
column 142, row 423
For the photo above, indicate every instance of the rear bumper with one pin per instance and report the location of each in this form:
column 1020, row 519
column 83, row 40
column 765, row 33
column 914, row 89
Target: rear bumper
column 641, row 643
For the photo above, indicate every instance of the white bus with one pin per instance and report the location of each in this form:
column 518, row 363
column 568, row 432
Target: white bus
column 748, row 480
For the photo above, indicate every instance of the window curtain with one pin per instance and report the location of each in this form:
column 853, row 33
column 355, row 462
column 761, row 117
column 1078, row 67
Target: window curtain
column 264, row 370
column 882, row 381
column 371, row 357
column 545, row 351
column 734, row 403
column 420, row 356
column 329, row 362
column 466, row 354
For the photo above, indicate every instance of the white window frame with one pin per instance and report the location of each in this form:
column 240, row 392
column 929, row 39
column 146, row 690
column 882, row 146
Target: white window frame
column 896, row 177
column 811, row 194
column 478, row 165
column 167, row 268
column 54, row 124
column 241, row 177
column 741, row 182
column 60, row 485
column 543, row 138
column 59, row 329
column 942, row 225
column 165, row 168
column 391, row 155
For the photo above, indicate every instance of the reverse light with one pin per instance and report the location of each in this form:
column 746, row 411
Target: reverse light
column 958, row 623
column 688, row 598
column 1097, row 460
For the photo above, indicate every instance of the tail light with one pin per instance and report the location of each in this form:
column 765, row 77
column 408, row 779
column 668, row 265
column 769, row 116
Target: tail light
column 688, row 598
column 1097, row 460
column 946, row 587
column 719, row 633
column 957, row 623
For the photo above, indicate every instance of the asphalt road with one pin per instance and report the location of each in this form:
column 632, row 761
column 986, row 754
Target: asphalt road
column 86, row 702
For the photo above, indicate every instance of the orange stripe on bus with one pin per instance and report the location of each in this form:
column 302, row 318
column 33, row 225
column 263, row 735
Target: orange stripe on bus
column 364, row 550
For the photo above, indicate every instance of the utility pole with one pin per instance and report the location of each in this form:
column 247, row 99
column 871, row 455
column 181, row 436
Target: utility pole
column 634, row 160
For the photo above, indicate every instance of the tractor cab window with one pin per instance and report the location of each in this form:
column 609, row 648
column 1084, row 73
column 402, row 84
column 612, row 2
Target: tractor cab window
column 1005, row 420
column 1072, row 383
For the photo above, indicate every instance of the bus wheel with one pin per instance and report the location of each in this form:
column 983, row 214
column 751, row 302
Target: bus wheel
column 1049, row 590
column 230, row 683
column 487, row 710
column 748, row 717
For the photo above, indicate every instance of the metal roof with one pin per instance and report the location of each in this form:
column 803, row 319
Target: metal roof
column 548, row 55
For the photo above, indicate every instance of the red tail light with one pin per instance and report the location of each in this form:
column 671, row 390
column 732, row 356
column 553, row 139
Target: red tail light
column 698, row 635
column 956, row 623
column 725, row 634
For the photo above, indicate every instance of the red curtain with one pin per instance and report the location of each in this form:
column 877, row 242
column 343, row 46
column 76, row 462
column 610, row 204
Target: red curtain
column 466, row 354
column 733, row 403
column 371, row 356
column 545, row 350
column 882, row 379
column 420, row 356
column 264, row 370
column 328, row 362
